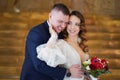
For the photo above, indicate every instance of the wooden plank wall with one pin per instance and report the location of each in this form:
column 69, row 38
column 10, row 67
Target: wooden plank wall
column 103, row 41
column 13, row 30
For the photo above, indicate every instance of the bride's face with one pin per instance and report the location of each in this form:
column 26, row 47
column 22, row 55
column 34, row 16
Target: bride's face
column 73, row 27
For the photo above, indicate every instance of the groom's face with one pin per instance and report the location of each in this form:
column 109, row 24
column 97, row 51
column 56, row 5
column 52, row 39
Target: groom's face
column 59, row 21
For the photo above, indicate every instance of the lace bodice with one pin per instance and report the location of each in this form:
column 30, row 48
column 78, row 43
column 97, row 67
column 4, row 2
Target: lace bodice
column 60, row 54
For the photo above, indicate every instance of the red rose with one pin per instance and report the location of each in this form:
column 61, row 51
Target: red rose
column 99, row 66
column 103, row 61
column 95, row 60
column 106, row 68
column 92, row 67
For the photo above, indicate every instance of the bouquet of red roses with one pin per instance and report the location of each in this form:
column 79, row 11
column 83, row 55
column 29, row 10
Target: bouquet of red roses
column 96, row 66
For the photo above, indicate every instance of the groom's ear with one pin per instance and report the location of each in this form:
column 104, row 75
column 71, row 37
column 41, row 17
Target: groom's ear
column 49, row 16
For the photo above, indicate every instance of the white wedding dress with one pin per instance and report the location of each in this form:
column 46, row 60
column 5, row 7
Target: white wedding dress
column 61, row 54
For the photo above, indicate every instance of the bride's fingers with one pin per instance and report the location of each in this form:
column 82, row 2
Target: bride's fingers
column 51, row 30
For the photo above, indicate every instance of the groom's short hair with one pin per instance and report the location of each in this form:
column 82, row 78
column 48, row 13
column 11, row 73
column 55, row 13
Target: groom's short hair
column 61, row 7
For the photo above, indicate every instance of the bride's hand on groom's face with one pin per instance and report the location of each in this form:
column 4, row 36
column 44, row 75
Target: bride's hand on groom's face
column 52, row 31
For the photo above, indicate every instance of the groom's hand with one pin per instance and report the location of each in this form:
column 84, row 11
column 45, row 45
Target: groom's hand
column 76, row 71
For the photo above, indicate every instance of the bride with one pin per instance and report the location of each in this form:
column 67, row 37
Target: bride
column 68, row 51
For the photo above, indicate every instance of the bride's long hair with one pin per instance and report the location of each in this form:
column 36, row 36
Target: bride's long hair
column 81, row 34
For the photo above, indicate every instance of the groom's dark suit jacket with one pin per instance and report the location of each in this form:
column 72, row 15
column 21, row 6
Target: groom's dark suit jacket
column 33, row 68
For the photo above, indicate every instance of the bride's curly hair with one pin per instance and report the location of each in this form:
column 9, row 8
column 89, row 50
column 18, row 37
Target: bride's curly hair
column 81, row 33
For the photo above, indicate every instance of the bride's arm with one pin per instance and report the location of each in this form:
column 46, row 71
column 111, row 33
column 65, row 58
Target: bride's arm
column 52, row 40
column 50, row 52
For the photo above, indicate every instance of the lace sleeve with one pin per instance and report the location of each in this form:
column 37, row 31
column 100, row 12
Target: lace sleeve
column 52, row 56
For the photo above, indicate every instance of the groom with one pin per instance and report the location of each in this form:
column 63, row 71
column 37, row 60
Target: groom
column 35, row 69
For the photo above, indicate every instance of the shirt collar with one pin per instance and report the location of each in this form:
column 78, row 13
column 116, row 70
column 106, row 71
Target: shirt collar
column 48, row 23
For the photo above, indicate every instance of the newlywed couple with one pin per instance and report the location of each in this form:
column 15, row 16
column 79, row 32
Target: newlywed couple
column 52, row 55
